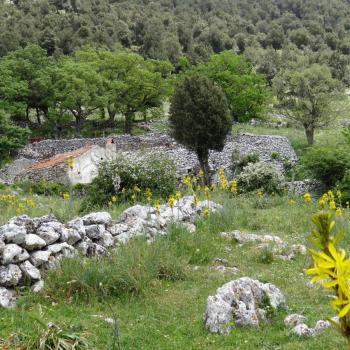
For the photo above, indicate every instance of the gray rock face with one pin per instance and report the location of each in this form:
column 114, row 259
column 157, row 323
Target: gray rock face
column 59, row 247
column 13, row 254
column 70, row 236
column 300, row 328
column 30, row 271
column 37, row 286
column 10, row 275
column 7, row 298
column 240, row 302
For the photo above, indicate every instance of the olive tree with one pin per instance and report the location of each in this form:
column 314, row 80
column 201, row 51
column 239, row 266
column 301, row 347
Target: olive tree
column 306, row 95
column 200, row 118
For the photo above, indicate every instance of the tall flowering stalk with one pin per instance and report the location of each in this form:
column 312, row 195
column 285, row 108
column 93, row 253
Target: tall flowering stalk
column 332, row 267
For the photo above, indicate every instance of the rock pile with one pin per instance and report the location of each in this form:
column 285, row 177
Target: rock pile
column 241, row 302
column 279, row 248
column 29, row 246
column 298, row 327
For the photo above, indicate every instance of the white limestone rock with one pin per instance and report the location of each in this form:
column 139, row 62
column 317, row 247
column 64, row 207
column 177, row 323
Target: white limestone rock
column 77, row 224
column 102, row 218
column 30, row 271
column 71, row 236
column 293, row 320
column 106, row 240
column 59, row 248
column 7, row 298
column 239, row 303
column 13, row 233
column 40, row 257
column 37, row 286
column 321, row 325
column 302, row 330
column 10, row 275
column 48, row 232
column 33, row 242
column 13, row 254
column 95, row 231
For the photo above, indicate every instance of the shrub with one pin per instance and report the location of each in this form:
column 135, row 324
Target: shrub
column 238, row 162
column 43, row 187
column 260, row 176
column 327, row 164
column 155, row 172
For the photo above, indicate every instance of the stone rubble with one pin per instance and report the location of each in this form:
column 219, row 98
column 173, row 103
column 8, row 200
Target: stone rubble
column 241, row 302
column 298, row 326
column 29, row 246
column 280, row 249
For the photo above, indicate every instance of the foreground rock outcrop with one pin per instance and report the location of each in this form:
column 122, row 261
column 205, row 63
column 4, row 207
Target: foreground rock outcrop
column 241, row 302
column 29, row 246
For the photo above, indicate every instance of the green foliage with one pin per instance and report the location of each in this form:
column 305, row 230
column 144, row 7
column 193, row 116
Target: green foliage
column 256, row 176
column 199, row 117
column 326, row 163
column 132, row 270
column 44, row 188
column 244, row 89
column 306, row 94
column 11, row 137
column 155, row 172
column 239, row 162
column 266, row 256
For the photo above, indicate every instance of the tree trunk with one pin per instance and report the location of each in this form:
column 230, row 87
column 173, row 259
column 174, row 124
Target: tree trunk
column 111, row 115
column 38, row 116
column 128, row 123
column 203, row 158
column 309, row 131
column 78, row 126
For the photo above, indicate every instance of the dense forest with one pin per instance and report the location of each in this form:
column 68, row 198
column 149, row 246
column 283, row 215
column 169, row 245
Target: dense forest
column 169, row 29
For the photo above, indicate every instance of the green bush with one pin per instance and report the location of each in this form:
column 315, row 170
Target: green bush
column 132, row 270
column 326, row 164
column 155, row 172
column 238, row 161
column 44, row 188
column 260, row 176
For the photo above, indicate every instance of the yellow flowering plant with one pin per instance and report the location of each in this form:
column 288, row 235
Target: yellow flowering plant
column 331, row 267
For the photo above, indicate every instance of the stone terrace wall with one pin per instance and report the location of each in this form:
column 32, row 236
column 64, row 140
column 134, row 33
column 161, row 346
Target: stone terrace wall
column 186, row 161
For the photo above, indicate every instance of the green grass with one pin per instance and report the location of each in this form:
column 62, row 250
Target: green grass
column 166, row 313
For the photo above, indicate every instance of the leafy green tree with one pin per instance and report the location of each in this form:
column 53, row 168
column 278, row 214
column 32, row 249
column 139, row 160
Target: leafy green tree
column 244, row 89
column 24, row 71
column 78, row 89
column 199, row 118
column 307, row 96
column 11, row 137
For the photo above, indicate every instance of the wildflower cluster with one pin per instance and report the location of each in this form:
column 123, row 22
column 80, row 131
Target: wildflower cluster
column 331, row 267
column 224, row 184
column 332, row 201
column 20, row 205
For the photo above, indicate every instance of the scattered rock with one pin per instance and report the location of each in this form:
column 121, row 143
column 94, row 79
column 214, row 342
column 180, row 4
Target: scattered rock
column 7, row 298
column 225, row 269
column 293, row 320
column 37, row 286
column 302, row 330
column 321, row 325
column 242, row 237
column 241, row 302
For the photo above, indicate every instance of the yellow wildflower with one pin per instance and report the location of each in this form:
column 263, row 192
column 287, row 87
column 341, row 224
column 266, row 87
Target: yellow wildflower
column 148, row 194
column 157, row 206
column 201, row 173
column 291, row 202
column 339, row 194
column 307, row 198
column 206, row 213
column 322, row 203
column 114, row 199
column 171, row 201
column 177, row 195
column 213, row 187
column 207, row 192
column 233, row 188
column 195, row 201
column 332, row 205
column 338, row 212
column 66, row 196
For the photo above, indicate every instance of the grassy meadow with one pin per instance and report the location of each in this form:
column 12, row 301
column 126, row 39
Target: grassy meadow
column 156, row 294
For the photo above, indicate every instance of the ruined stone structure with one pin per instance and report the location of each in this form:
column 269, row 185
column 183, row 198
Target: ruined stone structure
column 48, row 159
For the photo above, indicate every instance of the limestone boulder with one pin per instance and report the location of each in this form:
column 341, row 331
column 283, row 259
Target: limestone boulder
column 102, row 218
column 13, row 254
column 10, row 275
column 241, row 302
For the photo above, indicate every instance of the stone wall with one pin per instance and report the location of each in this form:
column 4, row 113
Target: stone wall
column 266, row 146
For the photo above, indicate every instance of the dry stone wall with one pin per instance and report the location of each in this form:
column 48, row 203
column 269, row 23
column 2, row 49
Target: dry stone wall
column 271, row 149
column 30, row 246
